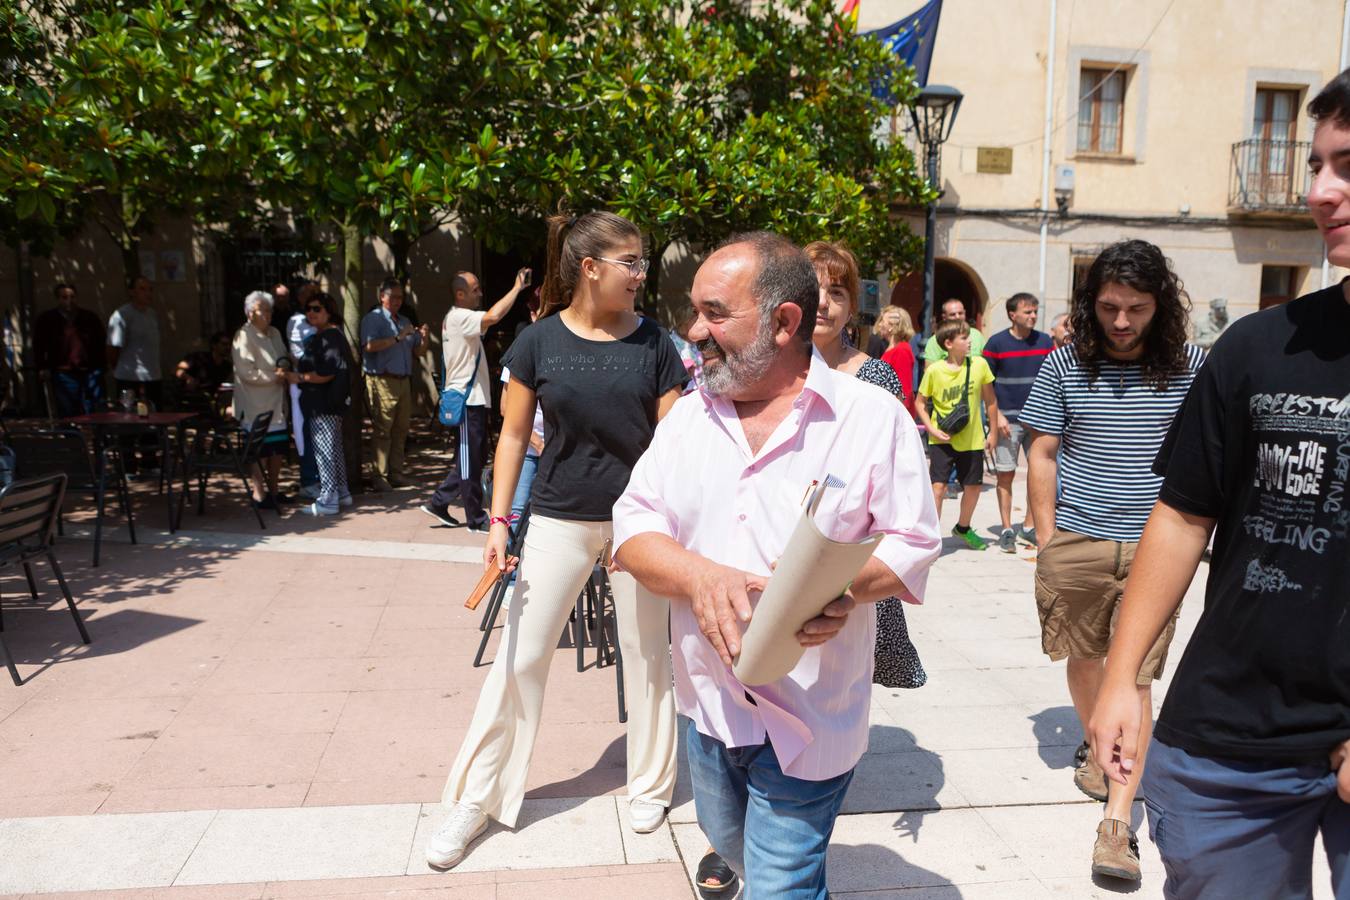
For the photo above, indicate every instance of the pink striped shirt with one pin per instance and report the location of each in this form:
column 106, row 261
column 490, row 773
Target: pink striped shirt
column 700, row 484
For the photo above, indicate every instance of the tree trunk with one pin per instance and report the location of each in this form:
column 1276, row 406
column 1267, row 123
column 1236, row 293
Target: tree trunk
column 653, row 285
column 353, row 285
column 25, row 391
column 353, row 281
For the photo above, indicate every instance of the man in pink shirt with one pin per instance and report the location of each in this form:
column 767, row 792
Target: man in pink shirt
column 708, row 511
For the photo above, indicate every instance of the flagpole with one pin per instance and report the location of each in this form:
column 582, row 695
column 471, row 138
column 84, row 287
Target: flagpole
column 1046, row 154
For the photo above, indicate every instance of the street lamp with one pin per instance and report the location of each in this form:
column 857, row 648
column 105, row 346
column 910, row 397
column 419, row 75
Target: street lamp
column 933, row 114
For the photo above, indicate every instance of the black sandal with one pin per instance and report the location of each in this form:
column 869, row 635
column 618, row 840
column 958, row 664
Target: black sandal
column 714, row 877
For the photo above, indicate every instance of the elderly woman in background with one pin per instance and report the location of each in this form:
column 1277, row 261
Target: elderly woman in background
column 261, row 365
column 325, row 393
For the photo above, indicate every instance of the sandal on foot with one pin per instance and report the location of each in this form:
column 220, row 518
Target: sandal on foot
column 714, row 877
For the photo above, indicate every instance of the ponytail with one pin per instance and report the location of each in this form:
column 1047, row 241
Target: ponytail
column 570, row 240
column 554, row 295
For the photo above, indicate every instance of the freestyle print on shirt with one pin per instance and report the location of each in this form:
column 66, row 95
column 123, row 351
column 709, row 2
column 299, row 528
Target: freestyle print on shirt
column 1302, row 469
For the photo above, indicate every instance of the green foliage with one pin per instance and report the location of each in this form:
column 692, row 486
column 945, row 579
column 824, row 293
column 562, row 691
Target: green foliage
column 388, row 116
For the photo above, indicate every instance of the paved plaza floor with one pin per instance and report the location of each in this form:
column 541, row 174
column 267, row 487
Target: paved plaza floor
column 273, row 714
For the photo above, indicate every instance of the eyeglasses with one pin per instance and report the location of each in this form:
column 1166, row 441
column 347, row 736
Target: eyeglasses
column 636, row 267
column 310, row 309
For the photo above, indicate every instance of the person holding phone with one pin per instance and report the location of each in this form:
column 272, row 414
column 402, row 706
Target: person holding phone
column 603, row 378
column 466, row 367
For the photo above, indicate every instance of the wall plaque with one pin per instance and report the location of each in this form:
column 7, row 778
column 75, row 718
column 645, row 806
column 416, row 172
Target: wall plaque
column 994, row 160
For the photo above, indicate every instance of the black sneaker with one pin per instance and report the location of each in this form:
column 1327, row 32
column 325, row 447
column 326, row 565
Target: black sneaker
column 440, row 515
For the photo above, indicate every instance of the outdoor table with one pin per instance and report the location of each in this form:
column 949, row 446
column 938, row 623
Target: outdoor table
column 115, row 423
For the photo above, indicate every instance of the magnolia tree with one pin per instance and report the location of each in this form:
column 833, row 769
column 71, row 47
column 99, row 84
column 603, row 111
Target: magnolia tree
column 389, row 117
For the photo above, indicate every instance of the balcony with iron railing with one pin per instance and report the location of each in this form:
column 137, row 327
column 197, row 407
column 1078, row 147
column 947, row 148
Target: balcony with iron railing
column 1269, row 177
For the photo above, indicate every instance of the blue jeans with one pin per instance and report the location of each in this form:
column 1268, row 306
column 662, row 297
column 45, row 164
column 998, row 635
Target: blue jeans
column 771, row 828
column 77, row 391
column 529, row 467
column 1236, row 828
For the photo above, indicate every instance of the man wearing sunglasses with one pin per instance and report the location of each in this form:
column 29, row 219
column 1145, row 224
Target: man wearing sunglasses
column 466, row 368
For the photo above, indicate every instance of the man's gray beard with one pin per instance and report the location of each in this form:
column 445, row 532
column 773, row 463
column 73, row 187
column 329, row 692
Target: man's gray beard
column 742, row 368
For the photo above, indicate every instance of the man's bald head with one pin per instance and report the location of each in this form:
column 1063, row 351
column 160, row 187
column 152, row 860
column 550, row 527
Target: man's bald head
column 466, row 290
column 782, row 273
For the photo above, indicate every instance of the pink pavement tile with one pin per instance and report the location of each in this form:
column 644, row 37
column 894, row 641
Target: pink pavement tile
column 426, row 641
column 302, row 596
column 186, row 892
column 410, row 710
column 346, row 887
column 297, row 633
column 134, row 672
column 227, row 760
column 663, row 882
column 389, row 755
column 84, row 803
column 572, row 761
column 56, row 722
column 392, row 673
column 376, row 790
column 12, row 697
column 95, row 766
column 280, row 676
column 260, row 796
column 448, row 614
column 278, row 713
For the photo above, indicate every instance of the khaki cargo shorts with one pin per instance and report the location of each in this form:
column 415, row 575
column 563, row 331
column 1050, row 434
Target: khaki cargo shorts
column 1079, row 582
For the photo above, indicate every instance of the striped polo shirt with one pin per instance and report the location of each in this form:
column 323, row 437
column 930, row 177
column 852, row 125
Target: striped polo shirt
column 1109, row 432
column 1015, row 362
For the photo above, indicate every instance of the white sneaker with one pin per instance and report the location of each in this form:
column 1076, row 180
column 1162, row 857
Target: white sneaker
column 645, row 817
column 446, row 847
column 345, row 500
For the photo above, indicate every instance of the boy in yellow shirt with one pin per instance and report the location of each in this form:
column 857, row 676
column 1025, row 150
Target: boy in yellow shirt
column 951, row 385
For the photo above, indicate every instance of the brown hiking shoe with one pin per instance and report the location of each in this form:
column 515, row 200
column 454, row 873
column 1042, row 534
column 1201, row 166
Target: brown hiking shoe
column 1116, row 853
column 1087, row 775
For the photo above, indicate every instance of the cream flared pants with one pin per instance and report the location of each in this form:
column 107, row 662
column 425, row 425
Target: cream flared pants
column 494, row 759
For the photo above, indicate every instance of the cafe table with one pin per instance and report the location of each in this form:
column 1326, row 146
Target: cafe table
column 110, row 425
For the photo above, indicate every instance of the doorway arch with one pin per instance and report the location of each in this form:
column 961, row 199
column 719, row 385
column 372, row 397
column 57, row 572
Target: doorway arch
column 952, row 280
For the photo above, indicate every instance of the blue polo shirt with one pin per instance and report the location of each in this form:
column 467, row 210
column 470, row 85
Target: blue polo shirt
column 1015, row 362
column 395, row 360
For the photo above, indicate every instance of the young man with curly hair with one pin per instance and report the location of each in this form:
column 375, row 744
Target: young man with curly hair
column 1249, row 760
column 1098, row 411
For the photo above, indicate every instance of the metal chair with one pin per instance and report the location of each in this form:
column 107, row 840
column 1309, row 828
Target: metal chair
column 229, row 449
column 28, row 513
column 48, row 451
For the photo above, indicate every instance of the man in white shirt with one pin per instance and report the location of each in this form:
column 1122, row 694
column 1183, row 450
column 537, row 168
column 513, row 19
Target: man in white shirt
column 709, row 509
column 133, row 355
column 466, row 368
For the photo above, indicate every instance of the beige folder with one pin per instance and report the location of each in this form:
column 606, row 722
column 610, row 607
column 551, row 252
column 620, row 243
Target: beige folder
column 812, row 572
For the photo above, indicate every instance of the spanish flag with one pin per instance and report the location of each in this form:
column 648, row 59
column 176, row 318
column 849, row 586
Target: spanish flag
column 849, row 11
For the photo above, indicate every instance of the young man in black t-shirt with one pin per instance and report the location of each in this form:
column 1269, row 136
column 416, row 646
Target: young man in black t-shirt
column 1249, row 757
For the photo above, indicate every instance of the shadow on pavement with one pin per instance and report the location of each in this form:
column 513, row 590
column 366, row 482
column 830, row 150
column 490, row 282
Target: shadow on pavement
column 1058, row 732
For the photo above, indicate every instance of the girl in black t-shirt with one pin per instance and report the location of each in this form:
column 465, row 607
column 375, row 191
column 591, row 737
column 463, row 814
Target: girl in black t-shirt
column 603, row 378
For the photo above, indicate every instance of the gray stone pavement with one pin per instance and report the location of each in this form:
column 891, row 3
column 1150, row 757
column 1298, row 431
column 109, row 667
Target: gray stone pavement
column 965, row 792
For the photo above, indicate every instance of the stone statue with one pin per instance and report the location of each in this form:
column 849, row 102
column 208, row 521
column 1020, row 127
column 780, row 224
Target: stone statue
column 1207, row 330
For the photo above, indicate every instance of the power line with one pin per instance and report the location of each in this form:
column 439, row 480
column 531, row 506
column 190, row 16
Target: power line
column 1100, row 83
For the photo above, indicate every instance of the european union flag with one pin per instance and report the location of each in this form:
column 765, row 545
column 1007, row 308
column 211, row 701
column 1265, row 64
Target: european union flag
column 911, row 39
